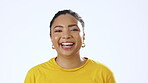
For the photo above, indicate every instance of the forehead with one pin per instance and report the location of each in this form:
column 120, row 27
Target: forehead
column 65, row 19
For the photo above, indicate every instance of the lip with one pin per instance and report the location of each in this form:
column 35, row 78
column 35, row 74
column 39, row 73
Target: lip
column 67, row 47
column 67, row 42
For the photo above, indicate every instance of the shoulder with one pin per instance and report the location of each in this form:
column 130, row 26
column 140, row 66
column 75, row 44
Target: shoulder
column 34, row 72
column 101, row 71
column 41, row 67
column 37, row 67
column 99, row 66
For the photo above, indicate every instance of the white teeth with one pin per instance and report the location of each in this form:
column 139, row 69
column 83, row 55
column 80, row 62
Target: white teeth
column 67, row 44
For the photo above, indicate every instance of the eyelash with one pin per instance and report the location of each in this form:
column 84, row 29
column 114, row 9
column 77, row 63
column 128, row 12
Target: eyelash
column 61, row 30
column 58, row 31
column 74, row 30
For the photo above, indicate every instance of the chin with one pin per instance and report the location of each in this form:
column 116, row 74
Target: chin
column 67, row 54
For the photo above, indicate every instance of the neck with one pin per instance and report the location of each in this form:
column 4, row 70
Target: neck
column 69, row 62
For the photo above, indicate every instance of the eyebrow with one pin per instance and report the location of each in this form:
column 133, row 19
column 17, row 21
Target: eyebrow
column 73, row 25
column 58, row 26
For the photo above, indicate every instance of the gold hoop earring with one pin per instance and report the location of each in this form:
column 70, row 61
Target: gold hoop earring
column 53, row 47
column 83, row 45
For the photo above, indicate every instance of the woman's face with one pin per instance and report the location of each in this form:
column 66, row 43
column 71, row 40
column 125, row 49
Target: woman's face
column 65, row 35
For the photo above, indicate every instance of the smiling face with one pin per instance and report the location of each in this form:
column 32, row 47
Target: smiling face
column 67, row 35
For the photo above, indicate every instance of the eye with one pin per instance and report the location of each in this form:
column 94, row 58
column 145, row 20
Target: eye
column 74, row 30
column 58, row 31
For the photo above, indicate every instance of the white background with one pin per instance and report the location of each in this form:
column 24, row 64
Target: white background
column 116, row 35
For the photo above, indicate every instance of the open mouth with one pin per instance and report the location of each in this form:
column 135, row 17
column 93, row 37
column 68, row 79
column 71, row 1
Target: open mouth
column 68, row 45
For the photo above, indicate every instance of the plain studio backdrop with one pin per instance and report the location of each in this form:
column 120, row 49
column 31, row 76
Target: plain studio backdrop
column 116, row 35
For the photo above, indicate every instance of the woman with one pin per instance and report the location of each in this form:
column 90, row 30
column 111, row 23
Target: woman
column 67, row 35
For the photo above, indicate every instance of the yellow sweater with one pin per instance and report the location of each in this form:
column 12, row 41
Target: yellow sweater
column 51, row 72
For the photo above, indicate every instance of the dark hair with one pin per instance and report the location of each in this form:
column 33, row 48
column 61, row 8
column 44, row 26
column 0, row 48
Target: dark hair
column 74, row 14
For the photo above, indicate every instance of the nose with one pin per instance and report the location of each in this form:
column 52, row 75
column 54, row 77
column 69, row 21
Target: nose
column 66, row 35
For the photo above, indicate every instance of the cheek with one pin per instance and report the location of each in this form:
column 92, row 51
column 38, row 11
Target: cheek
column 55, row 38
column 79, row 35
column 79, row 38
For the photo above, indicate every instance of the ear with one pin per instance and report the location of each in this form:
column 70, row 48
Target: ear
column 51, row 38
column 83, row 36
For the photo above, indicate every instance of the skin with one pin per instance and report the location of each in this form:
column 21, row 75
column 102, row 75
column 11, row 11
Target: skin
column 66, row 28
